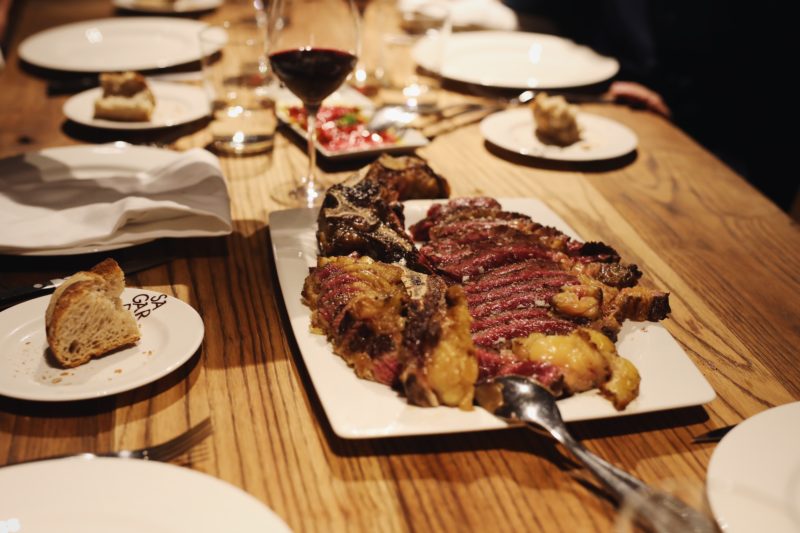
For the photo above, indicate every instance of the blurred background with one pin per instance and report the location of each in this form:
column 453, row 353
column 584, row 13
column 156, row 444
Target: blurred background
column 722, row 67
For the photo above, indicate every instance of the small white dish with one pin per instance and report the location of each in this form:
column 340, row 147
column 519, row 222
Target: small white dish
column 371, row 410
column 98, row 495
column 518, row 60
column 115, row 44
column 179, row 6
column 176, row 104
column 601, row 138
column 753, row 480
column 171, row 333
column 347, row 96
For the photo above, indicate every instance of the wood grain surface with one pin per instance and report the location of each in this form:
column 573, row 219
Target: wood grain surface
column 728, row 257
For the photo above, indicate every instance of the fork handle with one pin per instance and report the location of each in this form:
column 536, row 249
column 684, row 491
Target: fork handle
column 662, row 511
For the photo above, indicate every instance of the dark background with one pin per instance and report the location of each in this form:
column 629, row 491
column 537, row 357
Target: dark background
column 725, row 69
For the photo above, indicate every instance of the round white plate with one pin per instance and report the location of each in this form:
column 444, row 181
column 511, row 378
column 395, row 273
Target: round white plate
column 601, row 138
column 99, row 495
column 753, row 481
column 518, row 60
column 171, row 333
column 180, row 6
column 115, row 44
column 176, row 104
column 89, row 162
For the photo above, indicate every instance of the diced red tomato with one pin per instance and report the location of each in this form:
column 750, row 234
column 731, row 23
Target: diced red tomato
column 343, row 128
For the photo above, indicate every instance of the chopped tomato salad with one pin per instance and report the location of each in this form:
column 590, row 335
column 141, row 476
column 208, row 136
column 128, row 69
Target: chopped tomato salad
column 343, row 128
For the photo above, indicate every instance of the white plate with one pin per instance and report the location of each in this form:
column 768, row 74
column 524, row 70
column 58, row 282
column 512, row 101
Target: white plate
column 102, row 495
column 601, row 138
column 180, row 6
column 176, row 104
column 373, row 410
column 115, row 44
column 517, row 60
column 754, row 474
column 347, row 96
column 171, row 333
column 89, row 162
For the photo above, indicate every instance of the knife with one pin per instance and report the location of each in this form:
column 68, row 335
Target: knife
column 715, row 435
column 128, row 266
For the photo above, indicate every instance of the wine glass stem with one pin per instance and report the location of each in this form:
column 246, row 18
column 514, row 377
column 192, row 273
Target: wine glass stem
column 309, row 183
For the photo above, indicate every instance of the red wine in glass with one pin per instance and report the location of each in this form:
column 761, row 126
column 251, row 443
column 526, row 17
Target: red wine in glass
column 313, row 47
column 312, row 74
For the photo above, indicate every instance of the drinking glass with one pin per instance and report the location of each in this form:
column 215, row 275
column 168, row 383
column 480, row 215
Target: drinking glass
column 313, row 47
column 423, row 30
column 239, row 86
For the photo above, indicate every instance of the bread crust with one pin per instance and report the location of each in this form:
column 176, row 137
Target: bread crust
column 126, row 97
column 85, row 317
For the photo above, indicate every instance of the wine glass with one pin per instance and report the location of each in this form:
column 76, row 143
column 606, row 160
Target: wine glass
column 313, row 47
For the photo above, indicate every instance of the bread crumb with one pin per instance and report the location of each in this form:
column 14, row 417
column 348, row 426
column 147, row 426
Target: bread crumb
column 55, row 380
column 118, row 371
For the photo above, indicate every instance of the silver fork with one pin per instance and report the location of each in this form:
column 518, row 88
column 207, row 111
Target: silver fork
column 166, row 451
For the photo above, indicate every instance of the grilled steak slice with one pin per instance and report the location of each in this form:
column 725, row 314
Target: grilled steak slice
column 396, row 326
column 542, row 303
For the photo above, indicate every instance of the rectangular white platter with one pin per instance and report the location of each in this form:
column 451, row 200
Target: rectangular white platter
column 358, row 408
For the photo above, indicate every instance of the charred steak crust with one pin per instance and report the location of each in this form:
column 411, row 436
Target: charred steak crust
column 395, row 326
column 407, row 177
column 357, row 219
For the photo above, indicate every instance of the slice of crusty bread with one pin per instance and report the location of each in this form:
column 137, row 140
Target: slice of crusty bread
column 126, row 97
column 85, row 317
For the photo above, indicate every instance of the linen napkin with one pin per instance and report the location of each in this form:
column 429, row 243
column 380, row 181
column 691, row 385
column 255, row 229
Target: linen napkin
column 471, row 14
column 46, row 206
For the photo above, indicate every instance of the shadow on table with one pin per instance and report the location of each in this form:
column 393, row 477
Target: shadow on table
column 98, row 406
column 79, row 79
column 158, row 137
column 573, row 166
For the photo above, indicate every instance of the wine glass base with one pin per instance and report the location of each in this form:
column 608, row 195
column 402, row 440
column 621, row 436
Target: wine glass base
column 294, row 195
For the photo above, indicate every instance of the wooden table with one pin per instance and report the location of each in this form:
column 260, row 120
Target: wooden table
column 728, row 257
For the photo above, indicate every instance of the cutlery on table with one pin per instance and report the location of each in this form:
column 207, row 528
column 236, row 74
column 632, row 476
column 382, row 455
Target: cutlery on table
column 715, row 435
column 400, row 117
column 128, row 265
column 166, row 451
column 519, row 399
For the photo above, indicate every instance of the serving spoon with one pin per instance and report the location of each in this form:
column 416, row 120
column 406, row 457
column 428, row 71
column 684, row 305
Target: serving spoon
column 517, row 399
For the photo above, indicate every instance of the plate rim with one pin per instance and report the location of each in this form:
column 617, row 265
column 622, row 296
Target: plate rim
column 420, row 58
column 715, row 472
column 525, row 114
column 24, row 47
column 288, row 265
column 193, row 343
column 201, row 5
column 133, row 474
column 165, row 89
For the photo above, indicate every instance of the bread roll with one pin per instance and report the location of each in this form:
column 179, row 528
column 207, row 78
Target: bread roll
column 126, row 97
column 556, row 120
column 85, row 317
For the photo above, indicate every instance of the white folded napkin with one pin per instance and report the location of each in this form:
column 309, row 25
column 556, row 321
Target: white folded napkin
column 472, row 14
column 42, row 209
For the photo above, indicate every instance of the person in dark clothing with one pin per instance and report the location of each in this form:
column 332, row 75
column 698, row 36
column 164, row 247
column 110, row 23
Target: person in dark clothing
column 713, row 64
